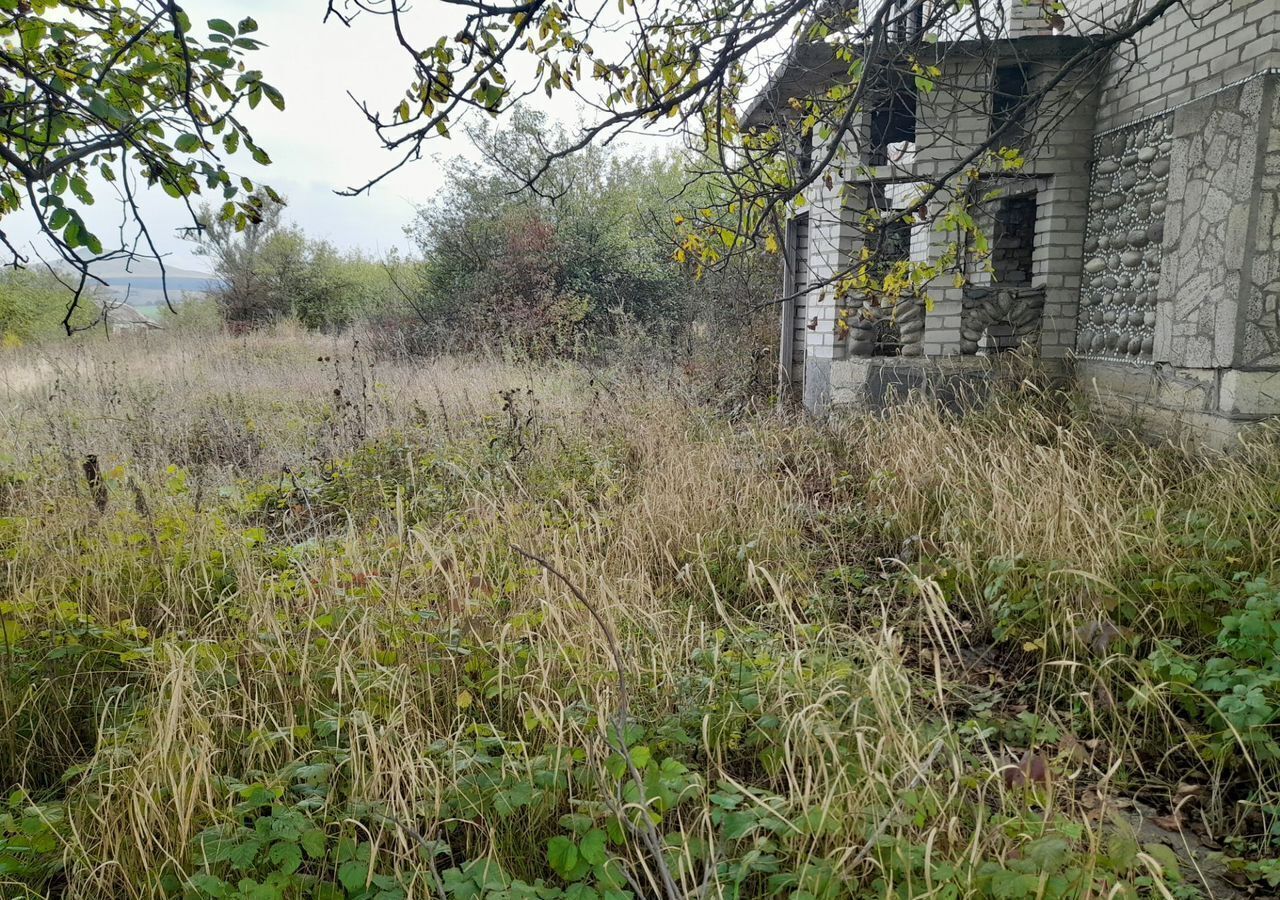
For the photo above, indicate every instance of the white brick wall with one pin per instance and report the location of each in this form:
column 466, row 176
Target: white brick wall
column 1193, row 50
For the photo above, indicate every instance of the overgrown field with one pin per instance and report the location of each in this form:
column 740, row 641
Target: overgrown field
column 314, row 631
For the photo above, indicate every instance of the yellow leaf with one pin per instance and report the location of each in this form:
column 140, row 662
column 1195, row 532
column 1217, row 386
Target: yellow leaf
column 464, row 699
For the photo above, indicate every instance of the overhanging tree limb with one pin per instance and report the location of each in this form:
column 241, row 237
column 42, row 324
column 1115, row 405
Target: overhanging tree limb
column 96, row 94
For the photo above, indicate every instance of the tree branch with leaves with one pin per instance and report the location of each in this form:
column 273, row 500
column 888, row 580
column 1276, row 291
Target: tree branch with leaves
column 102, row 97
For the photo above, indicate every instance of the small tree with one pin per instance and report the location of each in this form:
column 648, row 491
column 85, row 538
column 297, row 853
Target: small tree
column 499, row 262
column 271, row 270
column 248, row 291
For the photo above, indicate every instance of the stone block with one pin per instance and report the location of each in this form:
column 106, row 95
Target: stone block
column 1184, row 390
column 817, row 384
column 848, row 379
column 1250, row 394
column 1191, row 119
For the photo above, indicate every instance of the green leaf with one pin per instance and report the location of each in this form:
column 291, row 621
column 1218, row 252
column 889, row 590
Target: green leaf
column 105, row 111
column 616, row 766
column 208, row 885
column 242, row 856
column 313, row 841
column 353, row 875
column 1168, row 861
column 248, row 25
column 188, row 143
column 314, row 772
column 740, row 824
column 222, row 26
column 80, row 188
column 276, row 98
column 33, row 32
column 286, row 856
column 576, row 822
column 592, row 847
column 562, row 854
column 1048, row 852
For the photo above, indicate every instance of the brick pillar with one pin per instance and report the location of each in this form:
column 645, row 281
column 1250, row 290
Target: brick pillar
column 830, row 240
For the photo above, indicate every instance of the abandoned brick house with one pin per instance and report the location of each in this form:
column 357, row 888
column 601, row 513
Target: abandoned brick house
column 1138, row 248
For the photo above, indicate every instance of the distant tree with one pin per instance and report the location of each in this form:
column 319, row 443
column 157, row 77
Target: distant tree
column 247, row 289
column 32, row 304
column 585, row 264
column 324, row 288
column 500, row 261
column 271, row 270
column 104, row 95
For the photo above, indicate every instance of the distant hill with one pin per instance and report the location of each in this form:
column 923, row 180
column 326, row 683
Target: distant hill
column 141, row 281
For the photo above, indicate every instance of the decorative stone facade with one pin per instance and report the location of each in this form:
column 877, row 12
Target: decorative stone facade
column 1211, row 199
column 1006, row 317
column 894, row 330
column 1217, row 338
column 1262, row 317
column 1124, row 242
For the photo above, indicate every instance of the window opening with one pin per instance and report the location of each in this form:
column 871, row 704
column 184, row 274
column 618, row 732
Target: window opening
column 1010, row 89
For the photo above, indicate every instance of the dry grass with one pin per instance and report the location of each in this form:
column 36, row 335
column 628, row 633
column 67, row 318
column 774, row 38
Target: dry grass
column 307, row 561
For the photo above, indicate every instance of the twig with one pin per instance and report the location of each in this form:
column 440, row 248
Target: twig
column 427, row 845
column 97, row 484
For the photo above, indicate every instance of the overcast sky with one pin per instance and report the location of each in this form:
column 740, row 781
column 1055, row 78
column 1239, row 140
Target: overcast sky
column 321, row 142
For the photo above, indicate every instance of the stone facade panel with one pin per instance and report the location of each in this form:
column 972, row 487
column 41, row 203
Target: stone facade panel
column 1211, row 203
column 1124, row 241
column 1262, row 314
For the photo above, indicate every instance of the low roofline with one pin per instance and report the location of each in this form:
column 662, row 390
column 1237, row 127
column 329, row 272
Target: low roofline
column 811, row 67
column 126, row 315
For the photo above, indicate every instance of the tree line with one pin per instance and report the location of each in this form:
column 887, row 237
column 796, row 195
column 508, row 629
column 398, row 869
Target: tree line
column 568, row 269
